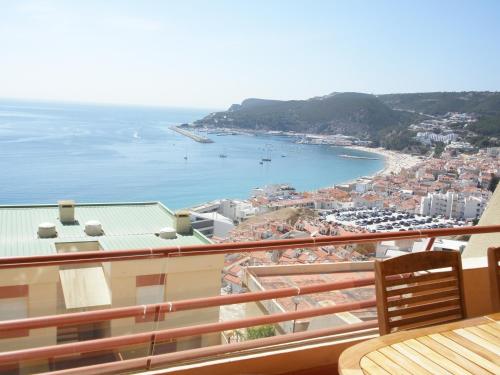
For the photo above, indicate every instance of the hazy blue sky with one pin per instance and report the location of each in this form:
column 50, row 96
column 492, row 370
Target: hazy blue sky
column 214, row 53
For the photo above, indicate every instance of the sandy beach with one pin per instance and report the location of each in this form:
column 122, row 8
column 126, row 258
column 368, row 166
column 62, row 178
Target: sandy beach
column 394, row 161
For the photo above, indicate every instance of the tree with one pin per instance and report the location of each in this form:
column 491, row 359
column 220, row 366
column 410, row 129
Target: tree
column 260, row 332
column 438, row 150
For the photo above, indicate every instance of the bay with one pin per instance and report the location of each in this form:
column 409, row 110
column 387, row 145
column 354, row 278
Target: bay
column 104, row 153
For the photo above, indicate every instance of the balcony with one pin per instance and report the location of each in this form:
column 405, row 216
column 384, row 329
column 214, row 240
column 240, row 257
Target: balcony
column 71, row 313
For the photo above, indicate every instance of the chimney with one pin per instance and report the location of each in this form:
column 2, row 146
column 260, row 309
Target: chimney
column 183, row 223
column 66, row 211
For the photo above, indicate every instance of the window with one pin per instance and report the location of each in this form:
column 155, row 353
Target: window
column 150, row 289
column 14, row 305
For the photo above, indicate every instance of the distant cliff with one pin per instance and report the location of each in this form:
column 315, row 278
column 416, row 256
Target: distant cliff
column 346, row 113
column 383, row 119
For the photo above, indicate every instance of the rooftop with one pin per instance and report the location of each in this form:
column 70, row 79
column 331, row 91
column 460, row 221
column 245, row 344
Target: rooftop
column 125, row 226
column 278, row 281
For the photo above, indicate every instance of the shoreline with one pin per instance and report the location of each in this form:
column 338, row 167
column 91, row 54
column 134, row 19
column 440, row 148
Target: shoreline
column 395, row 161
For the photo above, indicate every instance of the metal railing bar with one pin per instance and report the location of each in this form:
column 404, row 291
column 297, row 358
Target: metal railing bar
column 217, row 351
column 237, row 247
column 174, row 333
column 182, row 305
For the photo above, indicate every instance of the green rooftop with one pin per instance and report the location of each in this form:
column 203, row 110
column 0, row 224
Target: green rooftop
column 125, row 226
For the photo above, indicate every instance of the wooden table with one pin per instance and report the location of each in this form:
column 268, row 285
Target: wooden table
column 469, row 346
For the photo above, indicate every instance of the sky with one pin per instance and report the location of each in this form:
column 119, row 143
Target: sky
column 210, row 54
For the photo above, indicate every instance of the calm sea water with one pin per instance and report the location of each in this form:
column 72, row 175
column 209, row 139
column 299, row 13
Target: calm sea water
column 91, row 153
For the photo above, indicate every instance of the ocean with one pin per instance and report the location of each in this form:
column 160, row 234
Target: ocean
column 103, row 153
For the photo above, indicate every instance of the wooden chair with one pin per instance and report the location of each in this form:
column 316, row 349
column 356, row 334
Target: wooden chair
column 409, row 296
column 494, row 271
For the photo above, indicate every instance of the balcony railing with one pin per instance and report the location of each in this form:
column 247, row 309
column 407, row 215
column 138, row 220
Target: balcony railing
column 153, row 336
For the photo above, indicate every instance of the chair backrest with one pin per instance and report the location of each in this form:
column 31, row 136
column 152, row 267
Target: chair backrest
column 409, row 296
column 494, row 271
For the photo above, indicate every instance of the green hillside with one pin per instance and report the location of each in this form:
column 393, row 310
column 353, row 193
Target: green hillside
column 383, row 119
column 439, row 103
column 346, row 113
column 485, row 104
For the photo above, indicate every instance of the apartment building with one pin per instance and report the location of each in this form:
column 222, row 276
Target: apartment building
column 452, row 205
column 211, row 224
column 236, row 210
column 27, row 231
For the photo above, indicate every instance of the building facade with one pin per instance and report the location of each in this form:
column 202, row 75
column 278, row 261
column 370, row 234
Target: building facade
column 452, row 205
column 54, row 290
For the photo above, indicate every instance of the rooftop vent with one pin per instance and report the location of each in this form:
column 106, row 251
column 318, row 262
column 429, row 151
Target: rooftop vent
column 167, row 233
column 93, row 228
column 183, row 223
column 66, row 211
column 47, row 230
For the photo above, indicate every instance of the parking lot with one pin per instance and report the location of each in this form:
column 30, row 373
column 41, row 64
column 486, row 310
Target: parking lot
column 385, row 220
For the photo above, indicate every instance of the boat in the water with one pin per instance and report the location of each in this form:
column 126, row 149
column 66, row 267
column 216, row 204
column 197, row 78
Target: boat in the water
column 268, row 156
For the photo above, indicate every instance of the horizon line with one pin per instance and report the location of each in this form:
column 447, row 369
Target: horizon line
column 214, row 109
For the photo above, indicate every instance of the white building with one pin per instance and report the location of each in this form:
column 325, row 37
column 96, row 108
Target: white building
column 362, row 186
column 430, row 137
column 452, row 205
column 211, row 224
column 460, row 146
column 236, row 210
column 274, row 190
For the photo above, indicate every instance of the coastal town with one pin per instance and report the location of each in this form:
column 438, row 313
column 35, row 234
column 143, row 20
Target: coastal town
column 409, row 193
column 250, row 187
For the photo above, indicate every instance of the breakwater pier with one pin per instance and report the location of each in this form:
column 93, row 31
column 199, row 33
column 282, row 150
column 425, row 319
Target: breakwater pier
column 193, row 136
column 356, row 157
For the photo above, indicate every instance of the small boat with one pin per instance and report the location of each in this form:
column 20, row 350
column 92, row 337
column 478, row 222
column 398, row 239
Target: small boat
column 268, row 156
column 185, row 157
column 283, row 155
column 222, row 156
column 261, row 162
